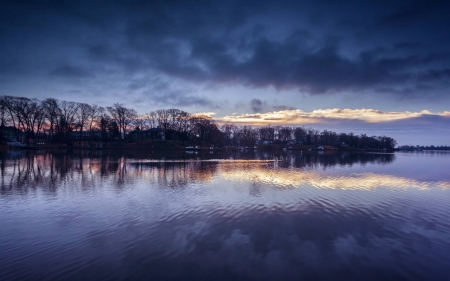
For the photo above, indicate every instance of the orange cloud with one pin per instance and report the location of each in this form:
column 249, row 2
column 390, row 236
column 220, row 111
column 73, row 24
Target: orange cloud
column 297, row 116
column 209, row 113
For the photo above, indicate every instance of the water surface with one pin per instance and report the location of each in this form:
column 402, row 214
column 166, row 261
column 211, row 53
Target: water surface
column 241, row 216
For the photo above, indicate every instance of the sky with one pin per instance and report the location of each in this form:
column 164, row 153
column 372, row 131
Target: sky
column 375, row 67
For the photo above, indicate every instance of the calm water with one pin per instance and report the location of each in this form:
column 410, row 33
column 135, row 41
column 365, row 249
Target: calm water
column 311, row 216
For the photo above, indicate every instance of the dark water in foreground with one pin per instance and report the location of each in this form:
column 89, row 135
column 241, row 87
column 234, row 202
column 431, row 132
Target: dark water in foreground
column 341, row 216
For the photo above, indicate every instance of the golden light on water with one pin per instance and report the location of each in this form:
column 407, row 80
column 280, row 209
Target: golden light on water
column 292, row 178
column 41, row 171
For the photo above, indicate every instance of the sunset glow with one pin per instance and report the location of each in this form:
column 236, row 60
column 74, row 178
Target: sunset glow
column 298, row 116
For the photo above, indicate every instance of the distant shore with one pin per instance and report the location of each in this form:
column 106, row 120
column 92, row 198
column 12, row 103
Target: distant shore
column 179, row 146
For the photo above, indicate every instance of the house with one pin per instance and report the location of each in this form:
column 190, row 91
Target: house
column 9, row 133
column 15, row 144
column 153, row 133
column 77, row 135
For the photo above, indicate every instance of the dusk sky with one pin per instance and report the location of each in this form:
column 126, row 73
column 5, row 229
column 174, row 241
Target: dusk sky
column 374, row 67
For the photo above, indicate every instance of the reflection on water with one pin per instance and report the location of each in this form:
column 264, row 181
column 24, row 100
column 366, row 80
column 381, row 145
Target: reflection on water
column 298, row 178
column 29, row 170
column 240, row 216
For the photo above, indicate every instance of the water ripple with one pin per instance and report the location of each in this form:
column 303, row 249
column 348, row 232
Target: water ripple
column 300, row 218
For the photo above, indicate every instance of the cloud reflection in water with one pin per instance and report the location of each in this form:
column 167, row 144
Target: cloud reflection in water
column 330, row 216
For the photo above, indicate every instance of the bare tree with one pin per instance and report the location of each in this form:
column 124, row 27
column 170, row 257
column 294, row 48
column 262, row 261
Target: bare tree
column 300, row 134
column 152, row 119
column 83, row 115
column 103, row 121
column 40, row 118
column 267, row 133
column 8, row 102
column 163, row 119
column 248, row 135
column 52, row 111
column 123, row 116
column 140, row 123
column 95, row 113
column 204, row 127
column 30, row 116
column 228, row 130
column 67, row 118
column 4, row 116
column 21, row 109
column 183, row 124
column 285, row 133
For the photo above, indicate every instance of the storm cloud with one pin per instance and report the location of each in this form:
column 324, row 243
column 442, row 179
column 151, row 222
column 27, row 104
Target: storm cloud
column 314, row 46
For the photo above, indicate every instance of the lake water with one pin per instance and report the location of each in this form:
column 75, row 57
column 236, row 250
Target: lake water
column 240, row 216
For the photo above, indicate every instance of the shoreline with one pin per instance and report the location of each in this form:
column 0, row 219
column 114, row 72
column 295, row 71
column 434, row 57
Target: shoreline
column 179, row 148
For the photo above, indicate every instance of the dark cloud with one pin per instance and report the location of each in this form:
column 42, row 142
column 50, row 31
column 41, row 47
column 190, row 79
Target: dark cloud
column 164, row 94
column 282, row 107
column 101, row 52
column 410, row 11
column 258, row 106
column 204, row 50
column 313, row 46
column 69, row 71
column 407, row 45
column 435, row 74
column 186, row 100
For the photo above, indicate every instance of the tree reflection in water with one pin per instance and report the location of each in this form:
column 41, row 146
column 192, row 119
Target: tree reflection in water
column 239, row 216
column 25, row 171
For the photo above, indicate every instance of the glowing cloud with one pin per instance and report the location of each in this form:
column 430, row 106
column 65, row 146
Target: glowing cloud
column 209, row 114
column 297, row 116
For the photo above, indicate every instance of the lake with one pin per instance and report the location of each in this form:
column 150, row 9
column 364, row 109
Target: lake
column 85, row 215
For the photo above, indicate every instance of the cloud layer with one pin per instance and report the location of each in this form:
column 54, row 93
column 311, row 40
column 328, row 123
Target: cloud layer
column 297, row 116
column 393, row 48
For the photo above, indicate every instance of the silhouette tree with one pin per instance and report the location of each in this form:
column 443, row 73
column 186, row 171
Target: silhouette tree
column 122, row 116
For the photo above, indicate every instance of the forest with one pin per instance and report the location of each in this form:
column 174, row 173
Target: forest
column 58, row 121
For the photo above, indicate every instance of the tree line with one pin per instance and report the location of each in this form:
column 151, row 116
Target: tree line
column 247, row 136
column 56, row 120
column 424, row 147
